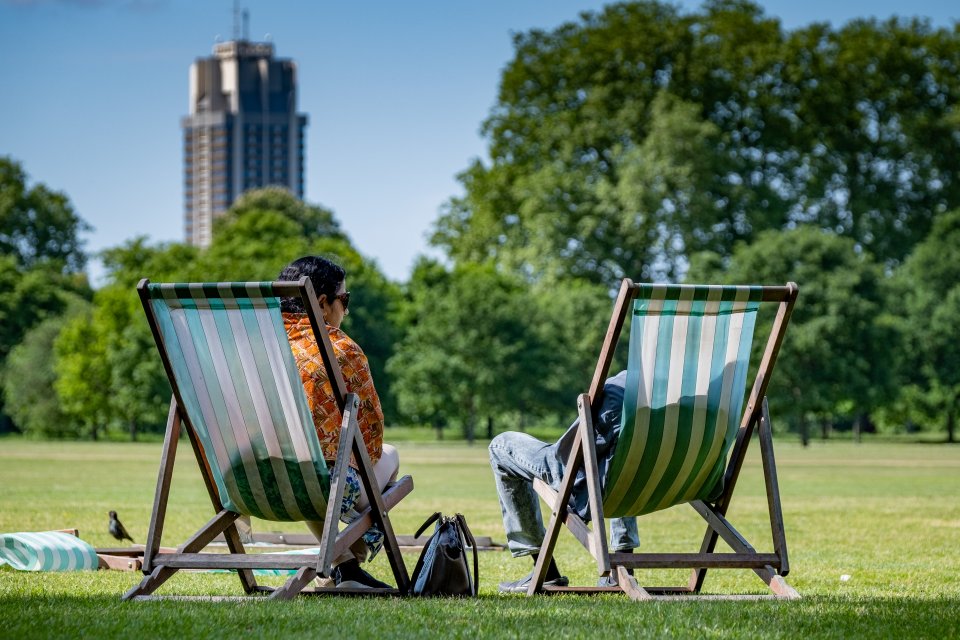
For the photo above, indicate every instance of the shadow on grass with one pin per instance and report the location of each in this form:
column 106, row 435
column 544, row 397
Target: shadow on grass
column 32, row 616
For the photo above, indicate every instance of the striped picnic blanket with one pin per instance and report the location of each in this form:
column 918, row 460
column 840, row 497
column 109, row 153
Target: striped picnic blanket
column 46, row 551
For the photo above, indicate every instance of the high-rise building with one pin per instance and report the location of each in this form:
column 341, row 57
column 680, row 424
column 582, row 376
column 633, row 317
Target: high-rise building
column 243, row 131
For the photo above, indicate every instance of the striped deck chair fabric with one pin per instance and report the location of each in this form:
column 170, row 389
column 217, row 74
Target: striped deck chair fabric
column 243, row 395
column 47, row 551
column 689, row 350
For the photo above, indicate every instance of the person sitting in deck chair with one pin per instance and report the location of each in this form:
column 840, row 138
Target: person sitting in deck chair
column 518, row 458
column 329, row 284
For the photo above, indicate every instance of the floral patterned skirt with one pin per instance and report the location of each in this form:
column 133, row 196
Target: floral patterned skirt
column 373, row 537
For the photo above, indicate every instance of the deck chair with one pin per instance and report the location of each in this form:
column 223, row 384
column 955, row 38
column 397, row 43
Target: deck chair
column 238, row 394
column 689, row 351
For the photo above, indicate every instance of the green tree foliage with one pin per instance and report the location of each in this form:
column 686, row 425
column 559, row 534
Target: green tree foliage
column 111, row 374
column 83, row 375
column 570, row 320
column 470, row 350
column 930, row 304
column 29, row 379
column 838, row 356
column 313, row 221
column 37, row 225
column 40, row 260
column 639, row 135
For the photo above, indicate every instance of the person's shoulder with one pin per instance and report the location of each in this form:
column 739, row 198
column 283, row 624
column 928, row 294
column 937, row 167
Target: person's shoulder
column 342, row 341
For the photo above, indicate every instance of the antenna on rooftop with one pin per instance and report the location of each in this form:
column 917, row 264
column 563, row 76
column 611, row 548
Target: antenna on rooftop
column 246, row 24
column 236, row 19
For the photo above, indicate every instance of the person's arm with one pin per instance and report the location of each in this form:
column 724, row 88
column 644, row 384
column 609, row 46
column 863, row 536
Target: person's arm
column 606, row 423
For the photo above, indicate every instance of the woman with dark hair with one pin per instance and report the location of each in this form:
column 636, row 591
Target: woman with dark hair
column 329, row 284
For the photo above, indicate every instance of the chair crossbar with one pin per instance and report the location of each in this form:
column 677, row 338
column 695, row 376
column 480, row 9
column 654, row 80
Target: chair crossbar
column 693, row 560
column 220, row 561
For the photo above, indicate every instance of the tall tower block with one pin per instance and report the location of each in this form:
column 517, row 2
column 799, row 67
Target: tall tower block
column 243, row 131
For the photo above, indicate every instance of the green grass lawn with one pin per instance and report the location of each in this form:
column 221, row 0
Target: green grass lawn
column 887, row 515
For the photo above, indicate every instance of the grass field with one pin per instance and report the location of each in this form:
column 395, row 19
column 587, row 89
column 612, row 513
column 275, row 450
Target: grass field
column 887, row 515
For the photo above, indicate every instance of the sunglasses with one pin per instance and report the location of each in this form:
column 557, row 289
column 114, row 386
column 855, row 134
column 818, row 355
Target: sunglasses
column 344, row 299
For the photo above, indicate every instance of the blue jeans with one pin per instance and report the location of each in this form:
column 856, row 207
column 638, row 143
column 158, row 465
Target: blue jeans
column 517, row 459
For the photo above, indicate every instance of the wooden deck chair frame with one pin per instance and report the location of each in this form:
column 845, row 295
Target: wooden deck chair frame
column 770, row 567
column 158, row 567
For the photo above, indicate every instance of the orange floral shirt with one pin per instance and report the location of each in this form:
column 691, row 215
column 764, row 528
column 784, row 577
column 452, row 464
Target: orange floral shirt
column 323, row 405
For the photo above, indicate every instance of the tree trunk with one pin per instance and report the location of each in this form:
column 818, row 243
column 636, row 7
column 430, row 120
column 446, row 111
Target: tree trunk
column 857, row 428
column 824, row 428
column 438, row 425
column 801, row 417
column 471, row 422
column 489, row 427
column 133, row 431
column 952, row 421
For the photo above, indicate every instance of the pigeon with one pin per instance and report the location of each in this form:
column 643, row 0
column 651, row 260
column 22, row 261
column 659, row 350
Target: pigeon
column 117, row 530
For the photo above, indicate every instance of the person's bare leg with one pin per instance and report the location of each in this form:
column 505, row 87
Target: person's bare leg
column 385, row 470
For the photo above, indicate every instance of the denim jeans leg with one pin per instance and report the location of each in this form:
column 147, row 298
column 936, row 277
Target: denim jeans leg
column 516, row 459
column 623, row 534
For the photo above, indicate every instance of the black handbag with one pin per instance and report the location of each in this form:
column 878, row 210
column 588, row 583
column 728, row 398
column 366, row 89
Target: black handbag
column 442, row 568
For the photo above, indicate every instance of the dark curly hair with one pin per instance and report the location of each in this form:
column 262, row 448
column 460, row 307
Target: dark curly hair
column 325, row 276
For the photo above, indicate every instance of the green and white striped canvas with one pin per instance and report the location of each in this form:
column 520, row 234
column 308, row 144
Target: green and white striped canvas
column 241, row 389
column 686, row 374
column 47, row 551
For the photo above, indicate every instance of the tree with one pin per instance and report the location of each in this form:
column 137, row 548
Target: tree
column 110, row 374
column 28, row 297
column 569, row 321
column 29, row 382
column 83, row 381
column 930, row 293
column 470, row 349
column 313, row 221
column 139, row 393
column 41, row 259
column 835, row 357
column 37, row 225
column 625, row 142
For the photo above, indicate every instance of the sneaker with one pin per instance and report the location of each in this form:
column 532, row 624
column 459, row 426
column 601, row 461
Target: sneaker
column 352, row 584
column 611, row 580
column 349, row 575
column 521, row 585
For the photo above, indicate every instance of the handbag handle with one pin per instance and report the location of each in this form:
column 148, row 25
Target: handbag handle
column 427, row 523
column 473, row 545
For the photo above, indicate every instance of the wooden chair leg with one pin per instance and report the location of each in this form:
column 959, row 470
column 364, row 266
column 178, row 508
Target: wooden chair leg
column 558, row 515
column 773, row 489
column 630, row 586
column 150, row 583
column 232, row 537
column 378, row 510
column 295, row 584
column 168, row 456
column 338, row 481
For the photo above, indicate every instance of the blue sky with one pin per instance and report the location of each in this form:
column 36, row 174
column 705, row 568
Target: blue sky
column 92, row 92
